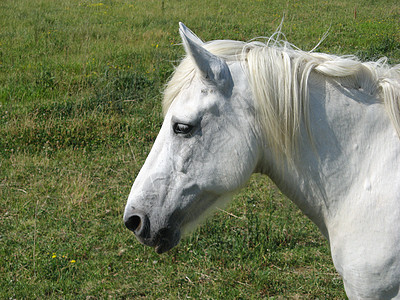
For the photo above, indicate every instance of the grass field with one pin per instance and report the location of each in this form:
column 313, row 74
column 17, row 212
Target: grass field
column 80, row 86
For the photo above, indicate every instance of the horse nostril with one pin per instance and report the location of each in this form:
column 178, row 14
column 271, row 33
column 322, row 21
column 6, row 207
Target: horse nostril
column 134, row 223
column 139, row 223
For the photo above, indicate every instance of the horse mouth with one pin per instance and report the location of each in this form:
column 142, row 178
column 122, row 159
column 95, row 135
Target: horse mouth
column 160, row 245
column 163, row 246
column 162, row 241
column 161, row 237
column 166, row 239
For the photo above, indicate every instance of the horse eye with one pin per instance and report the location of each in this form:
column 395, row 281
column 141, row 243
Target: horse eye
column 180, row 128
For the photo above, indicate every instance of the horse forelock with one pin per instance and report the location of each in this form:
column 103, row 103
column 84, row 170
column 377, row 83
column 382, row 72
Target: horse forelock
column 278, row 73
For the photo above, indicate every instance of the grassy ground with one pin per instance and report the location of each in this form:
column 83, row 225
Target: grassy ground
column 80, row 107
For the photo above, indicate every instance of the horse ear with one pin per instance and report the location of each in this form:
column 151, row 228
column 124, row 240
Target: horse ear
column 189, row 34
column 212, row 67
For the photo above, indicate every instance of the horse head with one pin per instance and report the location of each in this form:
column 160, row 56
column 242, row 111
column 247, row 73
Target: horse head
column 207, row 148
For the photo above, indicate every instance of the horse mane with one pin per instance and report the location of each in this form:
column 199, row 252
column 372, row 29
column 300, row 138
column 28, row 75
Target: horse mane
column 278, row 73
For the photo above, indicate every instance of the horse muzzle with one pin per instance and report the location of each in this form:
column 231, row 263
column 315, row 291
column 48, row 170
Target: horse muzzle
column 162, row 239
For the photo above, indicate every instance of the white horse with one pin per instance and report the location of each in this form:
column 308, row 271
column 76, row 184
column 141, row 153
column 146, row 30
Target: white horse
column 324, row 128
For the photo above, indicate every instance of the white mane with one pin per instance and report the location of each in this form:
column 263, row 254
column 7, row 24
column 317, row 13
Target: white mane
column 278, row 74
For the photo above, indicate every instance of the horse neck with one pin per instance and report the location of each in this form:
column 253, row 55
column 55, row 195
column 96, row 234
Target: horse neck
column 349, row 128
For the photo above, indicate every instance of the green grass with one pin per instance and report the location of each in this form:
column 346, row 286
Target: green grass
column 80, row 86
